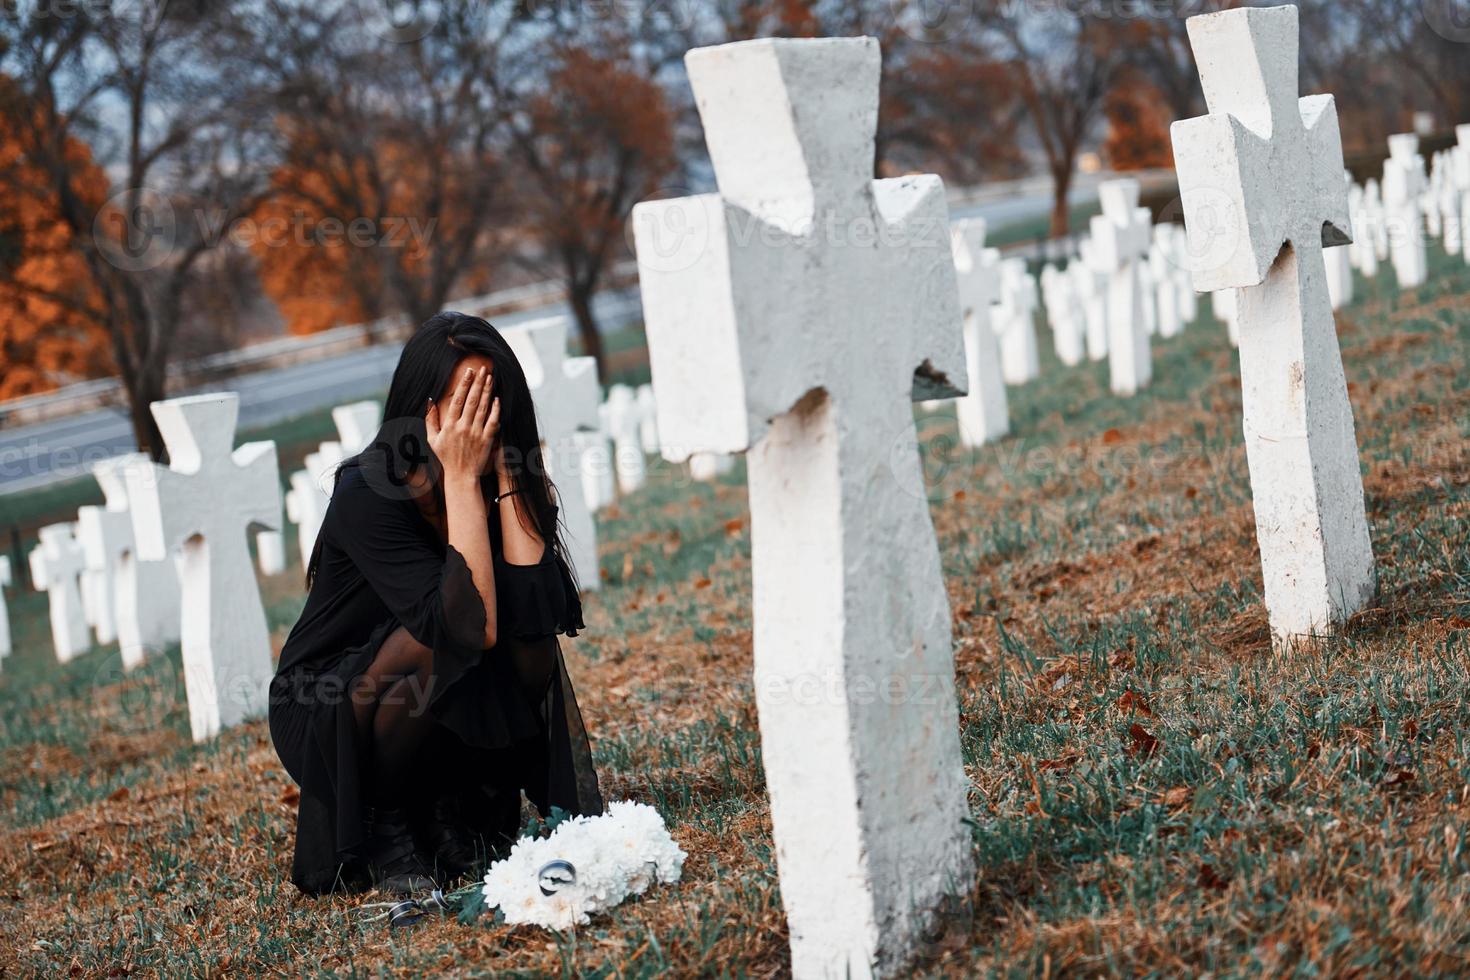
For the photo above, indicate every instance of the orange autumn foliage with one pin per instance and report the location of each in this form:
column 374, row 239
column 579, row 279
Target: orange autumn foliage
column 306, row 272
column 1138, row 126
column 51, row 332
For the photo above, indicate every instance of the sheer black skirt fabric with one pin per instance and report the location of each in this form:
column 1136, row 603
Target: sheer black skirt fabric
column 507, row 723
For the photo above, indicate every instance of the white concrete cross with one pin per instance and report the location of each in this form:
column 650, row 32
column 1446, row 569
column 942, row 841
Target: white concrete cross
column 1015, row 323
column 305, row 508
column 566, row 393
column 96, row 588
column 983, row 413
column 1064, row 315
column 270, row 552
column 5, row 582
column 1277, row 161
column 203, row 505
column 1460, row 170
column 357, row 423
column 145, row 594
column 1403, row 186
column 623, row 424
column 1364, row 220
column 1227, row 309
column 647, row 419
column 708, row 467
column 595, row 464
column 1119, row 243
column 1147, row 285
column 57, row 564
column 1092, row 290
column 802, row 310
column 1161, row 264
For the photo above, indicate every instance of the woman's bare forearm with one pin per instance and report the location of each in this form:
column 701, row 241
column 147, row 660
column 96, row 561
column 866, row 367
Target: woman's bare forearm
column 469, row 534
column 518, row 536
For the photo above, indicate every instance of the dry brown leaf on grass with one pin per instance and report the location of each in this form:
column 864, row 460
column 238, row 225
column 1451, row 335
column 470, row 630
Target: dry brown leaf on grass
column 1133, row 702
column 1142, row 741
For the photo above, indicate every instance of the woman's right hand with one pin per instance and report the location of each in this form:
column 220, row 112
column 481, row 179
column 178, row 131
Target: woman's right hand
column 462, row 433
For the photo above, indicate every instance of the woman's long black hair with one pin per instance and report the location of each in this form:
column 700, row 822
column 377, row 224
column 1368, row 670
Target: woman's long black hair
column 402, row 445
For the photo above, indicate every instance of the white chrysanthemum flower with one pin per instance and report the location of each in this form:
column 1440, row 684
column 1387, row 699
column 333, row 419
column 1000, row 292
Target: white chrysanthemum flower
column 621, row 853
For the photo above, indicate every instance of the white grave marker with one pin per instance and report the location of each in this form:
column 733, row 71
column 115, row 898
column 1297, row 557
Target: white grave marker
column 983, row 413
column 1064, row 315
column 5, row 582
column 1119, row 243
column 566, row 393
column 801, row 311
column 57, row 564
column 145, row 594
column 1092, row 291
column 1278, row 161
column 1015, row 322
column 203, row 505
column 1403, row 185
column 647, row 419
column 623, row 424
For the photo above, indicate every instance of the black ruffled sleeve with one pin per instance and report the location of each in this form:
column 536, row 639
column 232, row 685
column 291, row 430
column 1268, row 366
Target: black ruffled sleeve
column 429, row 591
column 536, row 601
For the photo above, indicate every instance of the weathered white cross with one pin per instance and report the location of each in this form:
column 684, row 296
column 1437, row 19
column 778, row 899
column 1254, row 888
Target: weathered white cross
column 983, row 413
column 203, row 505
column 57, row 564
column 795, row 316
column 145, row 594
column 1277, row 163
column 1120, row 237
column 565, row 393
column 1403, row 185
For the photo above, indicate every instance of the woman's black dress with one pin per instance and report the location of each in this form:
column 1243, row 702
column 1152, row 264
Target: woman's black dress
column 507, row 718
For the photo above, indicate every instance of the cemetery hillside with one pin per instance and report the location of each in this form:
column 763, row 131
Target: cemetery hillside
column 735, row 489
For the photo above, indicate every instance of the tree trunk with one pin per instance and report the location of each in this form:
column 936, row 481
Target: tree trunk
column 146, row 389
column 580, row 298
column 1061, row 217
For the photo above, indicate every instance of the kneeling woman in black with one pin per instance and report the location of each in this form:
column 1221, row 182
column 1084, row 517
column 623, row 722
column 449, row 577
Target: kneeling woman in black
column 423, row 688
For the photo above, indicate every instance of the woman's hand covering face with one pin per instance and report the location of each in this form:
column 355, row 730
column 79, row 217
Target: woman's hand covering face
column 462, row 430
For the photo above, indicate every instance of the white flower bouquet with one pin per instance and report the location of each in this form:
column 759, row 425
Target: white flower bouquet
column 586, row 865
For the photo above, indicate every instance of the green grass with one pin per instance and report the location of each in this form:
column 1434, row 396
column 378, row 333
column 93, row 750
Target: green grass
column 1153, row 790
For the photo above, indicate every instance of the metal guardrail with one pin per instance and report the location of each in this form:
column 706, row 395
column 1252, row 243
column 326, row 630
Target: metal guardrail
column 279, row 352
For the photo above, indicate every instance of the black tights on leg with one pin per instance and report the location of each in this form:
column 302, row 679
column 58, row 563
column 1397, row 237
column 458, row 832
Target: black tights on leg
column 390, row 702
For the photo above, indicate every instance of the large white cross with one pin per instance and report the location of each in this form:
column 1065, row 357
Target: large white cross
column 565, row 393
column 794, row 315
column 1271, row 168
column 983, row 413
column 1403, row 185
column 5, row 582
column 1120, row 237
column 145, row 594
column 57, row 564
column 204, row 505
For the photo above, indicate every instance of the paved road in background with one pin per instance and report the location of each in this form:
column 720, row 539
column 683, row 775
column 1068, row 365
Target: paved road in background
column 60, row 449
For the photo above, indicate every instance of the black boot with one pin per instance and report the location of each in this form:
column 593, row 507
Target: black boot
column 392, row 858
column 458, row 851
